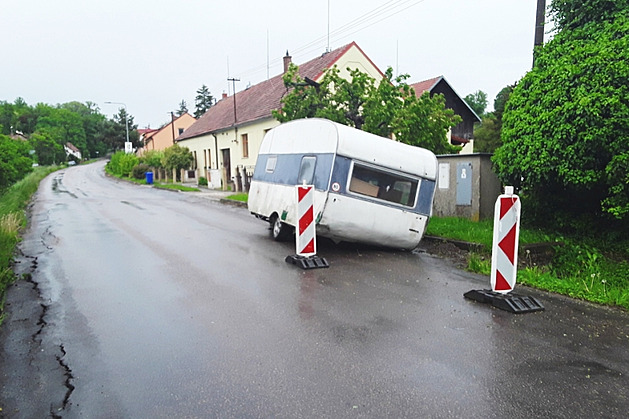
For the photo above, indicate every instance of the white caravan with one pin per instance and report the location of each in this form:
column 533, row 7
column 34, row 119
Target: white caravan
column 368, row 188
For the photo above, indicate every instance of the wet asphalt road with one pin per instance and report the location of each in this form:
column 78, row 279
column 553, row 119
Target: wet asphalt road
column 147, row 303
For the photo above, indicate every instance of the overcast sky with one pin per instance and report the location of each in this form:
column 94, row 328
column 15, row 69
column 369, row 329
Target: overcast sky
column 151, row 54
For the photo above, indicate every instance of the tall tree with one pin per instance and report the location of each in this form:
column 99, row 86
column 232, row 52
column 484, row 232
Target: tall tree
column 63, row 126
column 574, row 14
column 183, row 108
column 386, row 107
column 93, row 126
column 116, row 132
column 487, row 133
column 47, row 148
column 203, row 101
column 19, row 117
column 566, row 125
column 501, row 100
column 15, row 160
column 477, row 101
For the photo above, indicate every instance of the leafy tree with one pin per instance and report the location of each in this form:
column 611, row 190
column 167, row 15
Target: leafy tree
column 64, row 126
column 424, row 122
column 47, row 149
column 566, row 125
column 183, row 108
column 203, row 101
column 6, row 118
column 306, row 100
column 15, row 160
column 82, row 124
column 487, row 133
column 575, row 14
column 93, row 126
column 388, row 107
column 501, row 100
column 18, row 116
column 477, row 101
column 177, row 158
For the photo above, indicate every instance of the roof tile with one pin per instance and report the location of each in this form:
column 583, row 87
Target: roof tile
column 259, row 100
column 426, row 85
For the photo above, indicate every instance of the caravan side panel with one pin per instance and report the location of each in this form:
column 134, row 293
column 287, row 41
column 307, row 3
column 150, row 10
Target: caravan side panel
column 273, row 186
column 361, row 213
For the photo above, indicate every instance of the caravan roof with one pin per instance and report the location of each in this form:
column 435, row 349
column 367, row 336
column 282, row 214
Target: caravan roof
column 305, row 136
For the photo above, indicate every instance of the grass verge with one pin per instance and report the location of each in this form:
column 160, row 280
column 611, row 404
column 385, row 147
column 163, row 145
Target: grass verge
column 588, row 268
column 13, row 202
column 174, row 186
column 242, row 197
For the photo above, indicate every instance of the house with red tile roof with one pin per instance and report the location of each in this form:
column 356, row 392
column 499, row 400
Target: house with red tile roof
column 164, row 137
column 227, row 138
column 463, row 133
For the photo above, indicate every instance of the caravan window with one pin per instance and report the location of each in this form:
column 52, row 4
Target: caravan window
column 270, row 164
column 384, row 185
column 307, row 170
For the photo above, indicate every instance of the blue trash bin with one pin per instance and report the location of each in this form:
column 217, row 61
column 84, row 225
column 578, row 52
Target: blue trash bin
column 149, row 178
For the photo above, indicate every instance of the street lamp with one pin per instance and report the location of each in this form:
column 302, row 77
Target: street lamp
column 126, row 120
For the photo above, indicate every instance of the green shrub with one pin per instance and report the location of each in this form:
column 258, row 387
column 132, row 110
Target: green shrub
column 153, row 158
column 122, row 164
column 202, row 181
column 139, row 170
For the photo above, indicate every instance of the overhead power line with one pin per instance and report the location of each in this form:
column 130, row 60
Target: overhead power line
column 372, row 17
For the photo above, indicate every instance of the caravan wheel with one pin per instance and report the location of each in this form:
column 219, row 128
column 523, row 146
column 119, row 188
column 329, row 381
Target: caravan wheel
column 279, row 230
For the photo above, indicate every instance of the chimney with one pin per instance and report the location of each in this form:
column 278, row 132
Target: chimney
column 224, row 95
column 287, row 61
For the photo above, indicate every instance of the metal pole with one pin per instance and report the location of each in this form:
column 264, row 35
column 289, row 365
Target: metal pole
column 539, row 25
column 172, row 123
column 234, row 93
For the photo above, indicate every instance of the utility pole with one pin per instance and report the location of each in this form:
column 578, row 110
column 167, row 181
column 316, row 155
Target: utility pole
column 233, row 80
column 539, row 26
column 172, row 124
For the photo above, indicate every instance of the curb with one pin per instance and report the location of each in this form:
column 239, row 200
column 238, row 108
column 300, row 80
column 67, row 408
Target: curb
column 233, row 202
column 463, row 245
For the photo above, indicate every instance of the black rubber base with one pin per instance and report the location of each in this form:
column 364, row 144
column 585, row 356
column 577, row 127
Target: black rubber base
column 510, row 302
column 312, row 262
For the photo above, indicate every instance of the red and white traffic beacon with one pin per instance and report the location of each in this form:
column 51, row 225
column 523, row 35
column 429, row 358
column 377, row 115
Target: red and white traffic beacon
column 504, row 259
column 305, row 232
column 504, row 252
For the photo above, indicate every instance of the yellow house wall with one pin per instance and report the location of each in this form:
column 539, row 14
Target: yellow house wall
column 164, row 138
column 354, row 59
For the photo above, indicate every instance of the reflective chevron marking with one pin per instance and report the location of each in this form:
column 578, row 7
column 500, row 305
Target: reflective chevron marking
column 504, row 253
column 305, row 237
